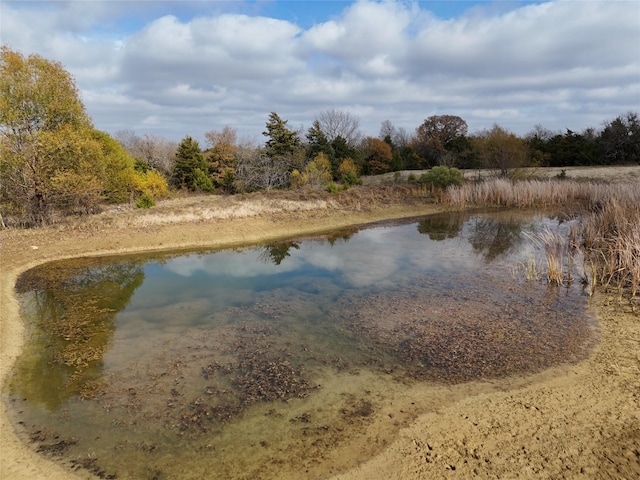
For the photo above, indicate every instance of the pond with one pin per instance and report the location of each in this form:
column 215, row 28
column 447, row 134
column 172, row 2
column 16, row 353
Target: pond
column 296, row 358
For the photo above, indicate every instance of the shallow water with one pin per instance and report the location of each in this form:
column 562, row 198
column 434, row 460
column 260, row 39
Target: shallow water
column 298, row 358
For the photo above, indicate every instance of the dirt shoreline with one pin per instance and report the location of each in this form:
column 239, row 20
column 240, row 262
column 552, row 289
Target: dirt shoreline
column 576, row 422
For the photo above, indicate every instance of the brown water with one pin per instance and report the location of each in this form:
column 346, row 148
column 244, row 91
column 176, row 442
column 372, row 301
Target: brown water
column 294, row 359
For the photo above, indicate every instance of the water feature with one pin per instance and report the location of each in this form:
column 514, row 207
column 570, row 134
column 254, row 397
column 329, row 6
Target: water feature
column 295, row 358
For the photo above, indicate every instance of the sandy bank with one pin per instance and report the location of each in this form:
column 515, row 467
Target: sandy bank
column 576, row 422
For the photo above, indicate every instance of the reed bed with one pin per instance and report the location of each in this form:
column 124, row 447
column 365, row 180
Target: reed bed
column 607, row 238
column 534, row 193
column 611, row 242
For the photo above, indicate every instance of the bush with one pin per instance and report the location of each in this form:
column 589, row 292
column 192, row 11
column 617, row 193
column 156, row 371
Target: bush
column 441, row 177
column 318, row 170
column 332, row 187
column 152, row 183
column 348, row 171
column 297, row 179
column 202, row 182
column 145, row 201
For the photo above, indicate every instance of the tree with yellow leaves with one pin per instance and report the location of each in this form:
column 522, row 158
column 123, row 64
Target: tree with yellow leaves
column 53, row 161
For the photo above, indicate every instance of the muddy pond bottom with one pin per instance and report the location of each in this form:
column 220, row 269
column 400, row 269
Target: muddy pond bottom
column 296, row 359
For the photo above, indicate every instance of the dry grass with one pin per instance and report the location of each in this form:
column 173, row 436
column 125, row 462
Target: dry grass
column 532, row 193
column 613, row 174
column 188, row 209
column 611, row 242
column 609, row 235
column 560, row 256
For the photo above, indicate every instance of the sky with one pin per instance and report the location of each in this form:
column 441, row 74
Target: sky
column 177, row 68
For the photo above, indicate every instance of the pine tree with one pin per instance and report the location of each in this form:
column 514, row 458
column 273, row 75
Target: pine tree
column 282, row 141
column 191, row 170
column 318, row 142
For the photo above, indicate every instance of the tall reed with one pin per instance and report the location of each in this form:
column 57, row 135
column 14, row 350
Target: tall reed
column 611, row 242
column 534, row 193
column 560, row 252
column 608, row 237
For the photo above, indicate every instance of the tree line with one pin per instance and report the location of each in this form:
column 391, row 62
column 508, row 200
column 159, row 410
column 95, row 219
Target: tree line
column 334, row 153
column 54, row 162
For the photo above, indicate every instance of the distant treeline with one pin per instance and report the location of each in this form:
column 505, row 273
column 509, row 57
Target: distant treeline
column 53, row 162
column 334, row 150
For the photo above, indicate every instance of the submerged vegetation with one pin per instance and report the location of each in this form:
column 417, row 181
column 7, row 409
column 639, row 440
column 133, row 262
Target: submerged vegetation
column 287, row 367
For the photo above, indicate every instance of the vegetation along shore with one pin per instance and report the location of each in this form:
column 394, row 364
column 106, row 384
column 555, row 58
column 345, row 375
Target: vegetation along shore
column 70, row 190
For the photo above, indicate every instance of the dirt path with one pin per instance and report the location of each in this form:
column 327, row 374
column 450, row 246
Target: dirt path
column 581, row 422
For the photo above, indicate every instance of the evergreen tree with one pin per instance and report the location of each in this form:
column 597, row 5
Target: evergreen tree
column 282, row 141
column 318, row 142
column 342, row 151
column 620, row 140
column 191, row 170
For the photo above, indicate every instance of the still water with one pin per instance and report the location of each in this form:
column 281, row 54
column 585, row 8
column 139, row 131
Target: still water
column 294, row 359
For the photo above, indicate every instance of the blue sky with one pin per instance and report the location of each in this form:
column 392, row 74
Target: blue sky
column 177, row 68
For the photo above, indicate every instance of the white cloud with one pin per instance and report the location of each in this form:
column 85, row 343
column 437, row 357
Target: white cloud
column 561, row 64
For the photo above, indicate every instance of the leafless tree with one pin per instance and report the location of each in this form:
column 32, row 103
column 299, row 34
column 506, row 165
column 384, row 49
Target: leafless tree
column 227, row 136
column 402, row 138
column 258, row 171
column 340, row 123
column 387, row 130
column 399, row 137
column 155, row 150
column 541, row 133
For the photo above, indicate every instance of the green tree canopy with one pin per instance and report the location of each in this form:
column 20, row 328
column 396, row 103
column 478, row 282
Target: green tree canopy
column 52, row 160
column 318, row 142
column 620, row 139
column 190, row 169
column 282, row 142
column 36, row 95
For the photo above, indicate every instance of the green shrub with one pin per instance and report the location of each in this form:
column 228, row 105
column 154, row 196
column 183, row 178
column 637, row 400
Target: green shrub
column 202, row 182
column 332, row 187
column 351, row 178
column 441, row 177
column 145, row 201
column 348, row 172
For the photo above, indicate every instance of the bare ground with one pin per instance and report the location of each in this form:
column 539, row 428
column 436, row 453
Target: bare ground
column 577, row 422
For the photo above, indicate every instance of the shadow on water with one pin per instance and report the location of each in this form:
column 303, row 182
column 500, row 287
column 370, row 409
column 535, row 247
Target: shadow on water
column 284, row 360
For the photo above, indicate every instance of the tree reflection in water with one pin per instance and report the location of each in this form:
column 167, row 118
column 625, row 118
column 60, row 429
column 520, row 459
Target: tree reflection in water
column 442, row 227
column 75, row 322
column 276, row 252
column 495, row 236
column 226, row 366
